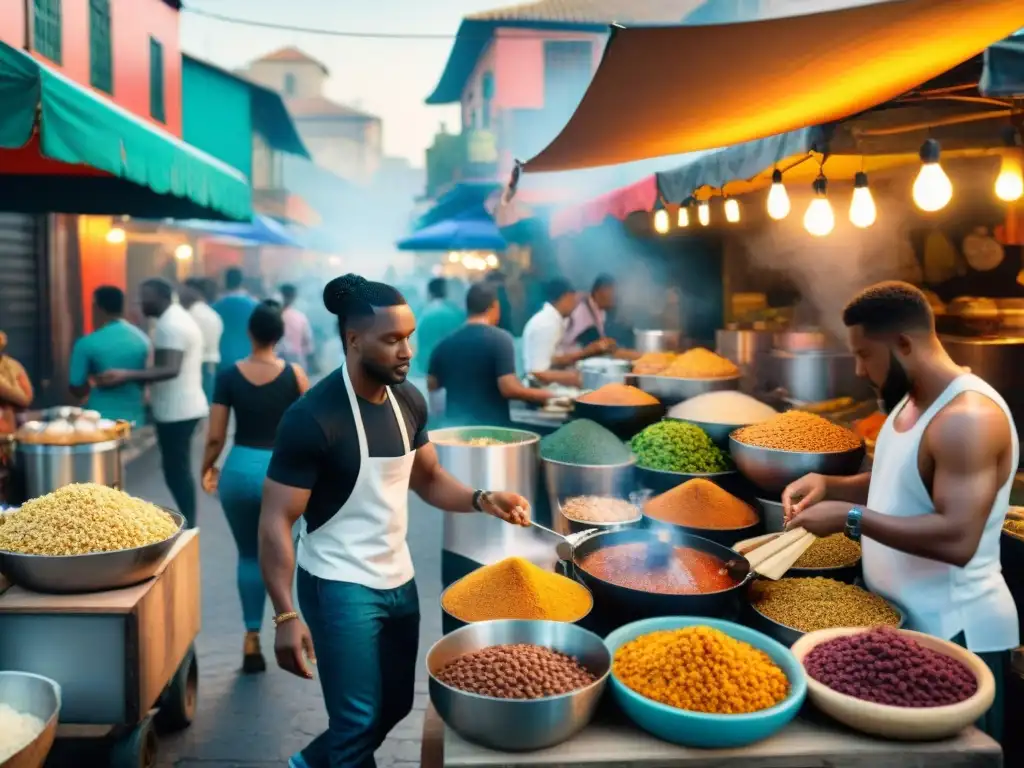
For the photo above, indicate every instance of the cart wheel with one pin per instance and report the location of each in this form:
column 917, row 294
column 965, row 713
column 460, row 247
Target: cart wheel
column 137, row 748
column 177, row 706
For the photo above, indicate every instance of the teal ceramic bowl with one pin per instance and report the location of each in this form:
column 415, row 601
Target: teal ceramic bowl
column 697, row 729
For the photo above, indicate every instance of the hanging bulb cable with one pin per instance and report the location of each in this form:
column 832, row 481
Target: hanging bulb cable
column 732, row 210
column 704, row 212
column 778, row 198
column 683, row 219
column 932, row 188
column 1010, row 182
column 863, row 212
column 661, row 221
column 819, row 219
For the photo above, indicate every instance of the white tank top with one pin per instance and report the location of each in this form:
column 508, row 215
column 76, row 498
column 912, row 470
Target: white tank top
column 940, row 599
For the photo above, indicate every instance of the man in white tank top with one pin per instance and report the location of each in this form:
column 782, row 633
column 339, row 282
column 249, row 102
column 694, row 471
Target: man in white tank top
column 931, row 510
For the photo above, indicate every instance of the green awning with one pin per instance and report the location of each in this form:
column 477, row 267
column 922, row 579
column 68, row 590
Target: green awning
column 152, row 174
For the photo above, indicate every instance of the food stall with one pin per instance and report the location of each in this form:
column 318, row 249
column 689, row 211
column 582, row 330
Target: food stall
column 121, row 577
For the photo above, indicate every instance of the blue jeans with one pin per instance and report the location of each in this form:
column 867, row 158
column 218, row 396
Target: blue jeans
column 241, row 491
column 366, row 641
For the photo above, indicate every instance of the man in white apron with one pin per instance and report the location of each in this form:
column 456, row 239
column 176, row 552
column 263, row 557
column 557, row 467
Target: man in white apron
column 931, row 510
column 345, row 458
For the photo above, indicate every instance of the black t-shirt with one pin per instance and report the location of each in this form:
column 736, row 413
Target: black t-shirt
column 258, row 408
column 317, row 447
column 467, row 365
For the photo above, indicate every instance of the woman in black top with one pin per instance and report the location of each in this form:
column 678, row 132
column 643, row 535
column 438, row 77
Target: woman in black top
column 259, row 389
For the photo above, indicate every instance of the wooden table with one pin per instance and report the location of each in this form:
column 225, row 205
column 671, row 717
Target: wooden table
column 803, row 744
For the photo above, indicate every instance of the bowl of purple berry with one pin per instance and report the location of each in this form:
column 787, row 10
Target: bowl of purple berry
column 895, row 683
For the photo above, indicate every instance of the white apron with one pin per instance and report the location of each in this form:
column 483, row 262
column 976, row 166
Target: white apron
column 939, row 599
column 365, row 541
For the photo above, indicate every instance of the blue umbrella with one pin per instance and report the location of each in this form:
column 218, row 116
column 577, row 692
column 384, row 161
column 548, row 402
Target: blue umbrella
column 262, row 230
column 458, row 234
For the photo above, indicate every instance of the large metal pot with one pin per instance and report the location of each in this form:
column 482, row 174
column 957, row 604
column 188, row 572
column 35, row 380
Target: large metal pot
column 45, row 468
column 811, row 377
column 598, row 371
column 563, row 481
column 651, row 340
column 743, row 346
column 510, row 466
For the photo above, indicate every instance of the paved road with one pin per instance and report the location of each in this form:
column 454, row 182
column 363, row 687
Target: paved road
column 259, row 720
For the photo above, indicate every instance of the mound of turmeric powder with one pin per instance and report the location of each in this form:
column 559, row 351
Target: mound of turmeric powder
column 515, row 588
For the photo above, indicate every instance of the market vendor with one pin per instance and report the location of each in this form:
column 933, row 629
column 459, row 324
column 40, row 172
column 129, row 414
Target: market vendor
column 476, row 367
column 589, row 321
column 544, row 357
column 931, row 510
column 345, row 457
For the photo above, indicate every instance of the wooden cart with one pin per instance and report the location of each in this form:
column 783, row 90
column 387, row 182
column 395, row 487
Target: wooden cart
column 124, row 659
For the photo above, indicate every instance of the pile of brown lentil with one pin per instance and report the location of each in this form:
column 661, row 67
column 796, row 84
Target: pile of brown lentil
column 808, row 605
column 799, row 432
column 520, row 671
column 835, row 551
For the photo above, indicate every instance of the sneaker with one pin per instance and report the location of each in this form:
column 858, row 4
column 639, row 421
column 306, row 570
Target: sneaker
column 252, row 656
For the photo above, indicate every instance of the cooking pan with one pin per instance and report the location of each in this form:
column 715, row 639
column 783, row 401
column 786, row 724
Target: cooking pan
column 633, row 604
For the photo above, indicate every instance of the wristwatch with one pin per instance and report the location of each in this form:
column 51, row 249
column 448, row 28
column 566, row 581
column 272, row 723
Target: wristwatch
column 478, row 495
column 853, row 518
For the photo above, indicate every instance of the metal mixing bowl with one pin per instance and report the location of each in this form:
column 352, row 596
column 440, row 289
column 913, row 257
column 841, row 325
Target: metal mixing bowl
column 37, row 696
column 95, row 572
column 772, row 470
column 670, row 390
column 719, row 433
column 518, row 725
column 785, row 634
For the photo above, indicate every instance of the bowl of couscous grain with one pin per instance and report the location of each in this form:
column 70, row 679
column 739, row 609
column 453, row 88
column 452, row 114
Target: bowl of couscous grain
column 85, row 538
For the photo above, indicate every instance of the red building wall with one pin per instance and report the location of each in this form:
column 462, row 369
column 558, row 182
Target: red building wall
column 132, row 22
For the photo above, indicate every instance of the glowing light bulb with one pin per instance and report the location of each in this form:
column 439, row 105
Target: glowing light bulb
column 778, row 198
column 453, row 257
column 732, row 210
column 661, row 221
column 116, row 235
column 932, row 188
column 704, row 213
column 492, row 261
column 863, row 212
column 819, row 219
column 1010, row 182
column 183, row 252
column 683, row 220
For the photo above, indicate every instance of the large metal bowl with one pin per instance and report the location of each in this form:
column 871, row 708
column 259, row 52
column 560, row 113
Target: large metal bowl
column 671, row 390
column 563, row 480
column 785, row 634
column 95, row 572
column 772, row 470
column 623, row 421
column 719, row 433
column 37, row 696
column 518, row 725
column 661, row 480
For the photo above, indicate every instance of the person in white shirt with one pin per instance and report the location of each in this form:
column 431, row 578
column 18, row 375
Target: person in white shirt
column 176, row 391
column 545, row 332
column 196, row 295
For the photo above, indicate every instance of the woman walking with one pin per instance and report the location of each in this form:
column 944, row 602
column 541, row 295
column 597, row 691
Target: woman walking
column 259, row 389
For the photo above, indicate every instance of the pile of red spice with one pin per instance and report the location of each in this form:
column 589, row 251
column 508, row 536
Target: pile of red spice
column 885, row 667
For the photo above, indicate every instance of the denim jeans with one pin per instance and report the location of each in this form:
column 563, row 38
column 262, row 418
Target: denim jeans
column 175, row 441
column 241, row 492
column 366, row 641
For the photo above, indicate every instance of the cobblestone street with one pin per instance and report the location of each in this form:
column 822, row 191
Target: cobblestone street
column 260, row 720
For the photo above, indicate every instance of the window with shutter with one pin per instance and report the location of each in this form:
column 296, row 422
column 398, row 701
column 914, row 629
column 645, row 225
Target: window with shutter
column 157, row 108
column 46, row 29
column 101, row 56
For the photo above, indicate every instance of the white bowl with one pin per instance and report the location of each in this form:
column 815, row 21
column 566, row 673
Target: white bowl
column 901, row 723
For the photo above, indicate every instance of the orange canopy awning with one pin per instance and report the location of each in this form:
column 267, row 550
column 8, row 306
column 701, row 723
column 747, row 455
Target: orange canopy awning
column 668, row 90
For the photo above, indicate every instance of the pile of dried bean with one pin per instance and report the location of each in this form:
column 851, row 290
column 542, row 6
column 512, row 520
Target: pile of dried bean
column 808, row 605
column 520, row 671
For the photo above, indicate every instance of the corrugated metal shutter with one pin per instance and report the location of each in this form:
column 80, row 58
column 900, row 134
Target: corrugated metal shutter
column 24, row 305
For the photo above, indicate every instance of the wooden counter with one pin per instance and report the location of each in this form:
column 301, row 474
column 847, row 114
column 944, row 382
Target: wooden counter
column 803, row 744
column 112, row 652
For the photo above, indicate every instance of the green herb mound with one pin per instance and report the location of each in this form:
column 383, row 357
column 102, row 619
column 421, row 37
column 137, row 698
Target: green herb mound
column 676, row 446
column 583, row 441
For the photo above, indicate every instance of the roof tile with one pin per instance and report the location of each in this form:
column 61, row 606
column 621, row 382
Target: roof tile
column 594, row 11
column 292, row 54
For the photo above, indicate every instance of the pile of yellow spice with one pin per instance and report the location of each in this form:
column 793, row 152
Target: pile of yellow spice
column 700, row 669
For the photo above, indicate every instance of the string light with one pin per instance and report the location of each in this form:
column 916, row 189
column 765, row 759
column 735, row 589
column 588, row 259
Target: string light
column 778, row 198
column 819, row 219
column 932, row 188
column 116, row 235
column 1010, row 182
column 704, row 213
column 183, row 252
column 863, row 212
column 661, row 221
column 683, row 218
column 732, row 210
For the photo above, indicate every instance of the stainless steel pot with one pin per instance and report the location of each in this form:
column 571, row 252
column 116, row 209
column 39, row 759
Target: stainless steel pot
column 811, row 377
column 598, row 371
column 45, row 468
column 510, row 466
column 742, row 346
column 651, row 340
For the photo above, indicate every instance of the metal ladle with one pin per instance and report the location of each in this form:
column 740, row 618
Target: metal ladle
column 566, row 546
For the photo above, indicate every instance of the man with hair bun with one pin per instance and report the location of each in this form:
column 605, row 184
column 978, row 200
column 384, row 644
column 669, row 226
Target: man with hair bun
column 345, row 458
column 931, row 510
